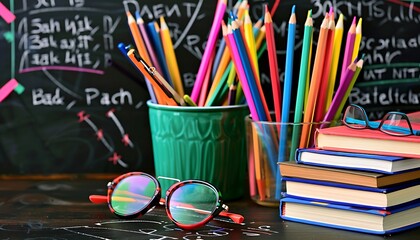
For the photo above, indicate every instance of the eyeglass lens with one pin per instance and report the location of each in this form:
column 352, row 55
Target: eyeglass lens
column 132, row 194
column 396, row 124
column 192, row 203
column 355, row 117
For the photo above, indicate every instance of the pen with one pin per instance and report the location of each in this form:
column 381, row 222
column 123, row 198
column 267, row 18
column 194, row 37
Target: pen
column 166, row 87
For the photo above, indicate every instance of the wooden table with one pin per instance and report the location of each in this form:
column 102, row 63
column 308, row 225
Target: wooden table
column 60, row 209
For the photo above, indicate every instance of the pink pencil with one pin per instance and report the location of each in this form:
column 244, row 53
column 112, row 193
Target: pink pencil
column 220, row 10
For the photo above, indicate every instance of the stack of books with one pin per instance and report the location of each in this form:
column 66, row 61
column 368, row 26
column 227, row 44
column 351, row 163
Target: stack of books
column 359, row 180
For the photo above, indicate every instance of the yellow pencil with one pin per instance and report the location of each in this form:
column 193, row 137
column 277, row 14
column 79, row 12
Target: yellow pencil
column 250, row 41
column 171, row 60
column 357, row 40
column 338, row 38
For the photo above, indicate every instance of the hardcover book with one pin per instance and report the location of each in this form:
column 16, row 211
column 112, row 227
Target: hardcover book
column 356, row 161
column 343, row 138
column 346, row 194
column 351, row 218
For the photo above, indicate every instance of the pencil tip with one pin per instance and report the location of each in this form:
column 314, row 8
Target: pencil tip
column 293, row 9
column 354, row 20
column 363, row 57
column 310, row 13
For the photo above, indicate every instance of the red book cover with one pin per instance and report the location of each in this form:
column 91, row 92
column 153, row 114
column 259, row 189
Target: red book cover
column 343, row 138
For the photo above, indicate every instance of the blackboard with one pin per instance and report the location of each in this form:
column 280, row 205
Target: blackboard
column 45, row 129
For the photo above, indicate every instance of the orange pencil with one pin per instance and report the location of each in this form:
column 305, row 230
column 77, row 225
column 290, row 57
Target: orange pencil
column 258, row 163
column 140, row 46
column 138, row 40
column 323, row 90
column 315, row 83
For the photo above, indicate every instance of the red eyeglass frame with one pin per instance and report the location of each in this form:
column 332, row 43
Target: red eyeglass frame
column 220, row 210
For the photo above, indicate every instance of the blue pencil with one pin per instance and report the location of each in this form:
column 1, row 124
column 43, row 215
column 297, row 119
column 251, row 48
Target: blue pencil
column 287, row 92
column 157, row 45
column 222, row 45
column 248, row 71
column 124, row 49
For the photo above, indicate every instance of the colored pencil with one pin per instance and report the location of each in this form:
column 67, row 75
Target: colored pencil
column 359, row 66
column 232, row 93
column 220, row 10
column 288, row 79
column 303, row 72
column 315, row 83
column 221, row 68
column 250, row 41
column 171, row 60
column 138, row 40
column 358, row 39
column 341, row 90
column 287, row 91
column 338, row 37
column 272, row 60
column 323, row 89
column 230, row 42
column 248, row 69
column 206, row 84
column 147, row 42
column 258, row 159
column 141, row 49
column 153, row 31
column 348, row 51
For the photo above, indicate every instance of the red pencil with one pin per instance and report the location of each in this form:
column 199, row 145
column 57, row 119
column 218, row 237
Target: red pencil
column 272, row 59
column 321, row 101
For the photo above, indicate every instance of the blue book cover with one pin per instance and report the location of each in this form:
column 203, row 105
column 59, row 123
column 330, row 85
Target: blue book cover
column 356, row 161
column 351, row 218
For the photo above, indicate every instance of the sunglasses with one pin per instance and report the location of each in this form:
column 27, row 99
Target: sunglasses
column 189, row 204
column 393, row 123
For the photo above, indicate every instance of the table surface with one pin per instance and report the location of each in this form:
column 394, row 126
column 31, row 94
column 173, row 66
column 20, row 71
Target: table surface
column 60, row 209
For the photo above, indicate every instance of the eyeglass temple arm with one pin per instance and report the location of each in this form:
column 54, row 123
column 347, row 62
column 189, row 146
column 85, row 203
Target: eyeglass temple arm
column 237, row 218
column 98, row 199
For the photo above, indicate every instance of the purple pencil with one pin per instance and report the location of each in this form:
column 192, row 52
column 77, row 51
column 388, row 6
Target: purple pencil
column 341, row 91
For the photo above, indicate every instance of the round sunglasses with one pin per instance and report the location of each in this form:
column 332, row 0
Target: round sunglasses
column 189, row 204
